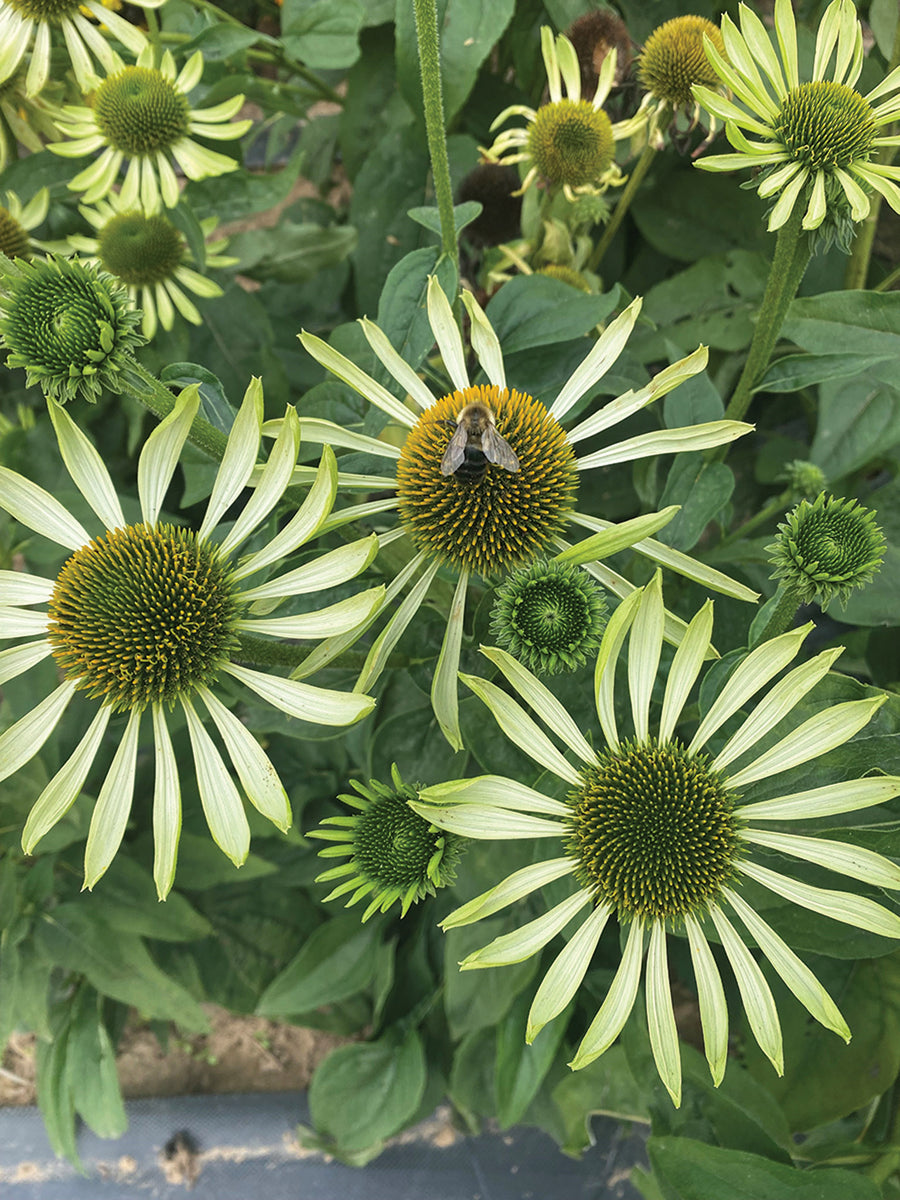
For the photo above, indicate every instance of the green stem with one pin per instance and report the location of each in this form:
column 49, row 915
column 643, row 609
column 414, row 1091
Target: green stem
column 264, row 652
column 155, row 396
column 792, row 252
column 781, row 616
column 778, row 505
column 430, row 65
column 888, row 282
column 887, row 1163
column 635, row 179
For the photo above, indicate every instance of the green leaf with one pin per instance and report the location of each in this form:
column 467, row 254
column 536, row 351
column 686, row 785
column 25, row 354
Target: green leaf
column 127, row 902
column 475, row 999
column 883, row 20
column 222, row 41
column 233, row 197
column 521, row 1069
column 214, row 404
column 689, row 1170
column 337, row 961
column 608, row 1087
column 292, row 252
column 202, row 865
column 796, row 371
column 859, row 419
column 473, row 1077
column 692, row 402
column 8, row 887
column 702, row 489
column 854, row 322
column 402, row 315
column 534, row 310
column 362, row 1094
column 322, row 34
column 55, row 1097
column 463, row 215
column 91, row 1068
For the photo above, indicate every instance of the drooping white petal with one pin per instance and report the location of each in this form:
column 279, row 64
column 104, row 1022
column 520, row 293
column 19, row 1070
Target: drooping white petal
column 660, row 1015
column 239, row 458
column 484, row 341
column 322, row 706
column 275, row 477
column 87, row 468
column 396, row 364
column 496, row 791
column 384, row 644
column 65, row 787
column 825, row 801
column 221, row 800
column 22, row 622
column 686, row 666
column 355, row 377
column 521, row 729
column 565, row 974
column 855, row 861
column 166, row 805
column 18, row 659
column 756, row 994
column 36, row 508
column 113, row 805
column 603, row 354
column 323, row 622
column 444, row 685
column 666, row 441
column 711, row 998
column 328, row 570
column 840, row 906
column 161, row 452
column 616, row 1008
column 515, row 887
column 644, row 649
column 531, row 938
column 17, row 587
column 542, row 700
column 607, row 660
column 483, row 822
column 23, row 740
column 446, row 334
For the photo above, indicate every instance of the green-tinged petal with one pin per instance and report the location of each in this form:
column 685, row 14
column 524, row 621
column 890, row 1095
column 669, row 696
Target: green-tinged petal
column 327, row 571
column 521, row 729
column 711, row 998
column 812, row 739
column 515, row 947
column 784, row 205
column 666, row 441
column 384, row 644
column 885, row 187
column 19, row 659
column 162, row 450
column 326, row 433
column 856, row 197
column 840, row 906
column 356, row 378
column 786, row 31
column 551, row 63
column 65, row 787
column 660, row 1016
column 113, row 805
column 603, row 354
column 607, row 660
column 685, row 668
column 86, row 467
column 796, row 974
column 22, row 622
column 716, row 104
column 749, row 677
column 614, row 537
column 855, row 861
column 357, row 512
column 303, row 525
column 737, row 68
column 496, row 791
column 395, row 364
column 756, row 995
column 644, row 650
column 258, row 777
column 222, row 805
column 321, row 706
column 726, row 162
column 760, row 46
column 568, row 969
column 17, row 587
column 616, row 1008
column 275, row 477
column 778, row 179
column 825, row 801
column 817, row 207
column 166, row 806
column 36, row 508
column 484, row 341
column 484, row 822
column 444, row 683
column 542, row 700
column 239, row 458
column 826, row 38
column 569, row 67
column 323, row 622
column 786, row 694
column 515, row 887
column 446, row 334
column 24, row 739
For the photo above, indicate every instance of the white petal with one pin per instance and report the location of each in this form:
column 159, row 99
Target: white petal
column 446, row 334
column 166, row 806
column 239, row 458
column 515, row 887
column 18, row 659
column 607, row 660
column 444, row 685
column 483, row 822
column 825, row 801
column 515, row 947
column 326, row 571
column 484, row 341
column 221, row 801
column 840, row 906
column 326, row 433
column 113, row 805
column 666, row 441
column 711, row 998
column 383, row 646
column 496, row 791
column 613, row 537
column 644, row 649
column 23, row 740
column 161, row 452
column 603, row 354
column 565, row 974
column 660, row 1016
column 395, row 364
column 32, row 506
column 356, row 378
column 616, row 1008
column 686, row 666
column 319, row 705
column 275, row 477
column 87, row 468
column 22, row 622
column 16, row 587
column 855, row 861
column 323, row 622
column 755, row 992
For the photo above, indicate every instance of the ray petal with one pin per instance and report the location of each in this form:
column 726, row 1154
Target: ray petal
column 660, row 1015
column 87, row 468
column 759, row 1004
column 616, row 1008
column 711, row 998
column 845, row 907
column 529, row 939
column 515, row 887
column 565, row 974
column 686, row 667
column 161, row 452
column 166, row 806
column 238, row 460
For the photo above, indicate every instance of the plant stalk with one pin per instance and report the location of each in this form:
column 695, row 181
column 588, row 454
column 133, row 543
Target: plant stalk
column 155, row 396
column 635, row 179
column 782, row 615
column 430, row 65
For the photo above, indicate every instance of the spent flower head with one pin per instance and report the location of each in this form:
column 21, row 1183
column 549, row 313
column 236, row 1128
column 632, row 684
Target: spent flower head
column 826, row 549
column 393, row 855
column 817, row 140
column 657, row 834
column 141, row 115
column 69, row 324
column 594, row 37
column 151, row 615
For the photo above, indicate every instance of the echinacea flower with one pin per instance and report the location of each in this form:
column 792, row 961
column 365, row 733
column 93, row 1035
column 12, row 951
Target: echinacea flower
column 24, row 120
column 817, row 140
column 506, row 518
column 142, row 114
column 32, row 23
column 150, row 615
column 672, row 62
column 393, row 855
column 18, row 220
column 569, row 142
column 149, row 255
column 656, row 833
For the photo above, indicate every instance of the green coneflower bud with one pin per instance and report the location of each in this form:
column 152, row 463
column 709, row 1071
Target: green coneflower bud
column 804, row 479
column 653, row 830
column 571, row 142
column 674, row 60
column 827, row 549
column 550, row 616
column 593, row 36
column 70, row 325
column 393, row 855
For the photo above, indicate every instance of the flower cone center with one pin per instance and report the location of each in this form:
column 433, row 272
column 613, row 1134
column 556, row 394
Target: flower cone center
column 139, row 250
column 142, row 614
column 139, row 111
column 571, row 142
column 502, row 519
column 826, row 124
column 652, row 831
column 51, row 11
column 394, row 845
column 60, row 318
column 836, row 541
column 14, row 241
column 674, row 59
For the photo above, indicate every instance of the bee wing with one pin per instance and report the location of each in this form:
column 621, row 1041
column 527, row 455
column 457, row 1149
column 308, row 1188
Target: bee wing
column 455, row 452
column 496, row 449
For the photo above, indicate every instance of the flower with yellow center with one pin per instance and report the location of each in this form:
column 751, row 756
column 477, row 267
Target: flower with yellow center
column 148, row 616
column 18, row 220
column 23, row 120
column 569, row 142
column 659, row 835
column 32, row 23
column 142, row 115
column 149, row 255
column 672, row 62
column 818, row 139
column 487, row 519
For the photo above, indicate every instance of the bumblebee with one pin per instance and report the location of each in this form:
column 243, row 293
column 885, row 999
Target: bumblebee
column 475, row 443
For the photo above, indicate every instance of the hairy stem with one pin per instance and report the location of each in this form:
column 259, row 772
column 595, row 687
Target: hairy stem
column 635, row 180
column 430, row 64
column 155, row 396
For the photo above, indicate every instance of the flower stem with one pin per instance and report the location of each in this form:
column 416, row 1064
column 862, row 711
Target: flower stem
column 635, row 179
column 266, row 652
column 155, row 396
column 778, row 505
column 784, row 605
column 430, row 65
